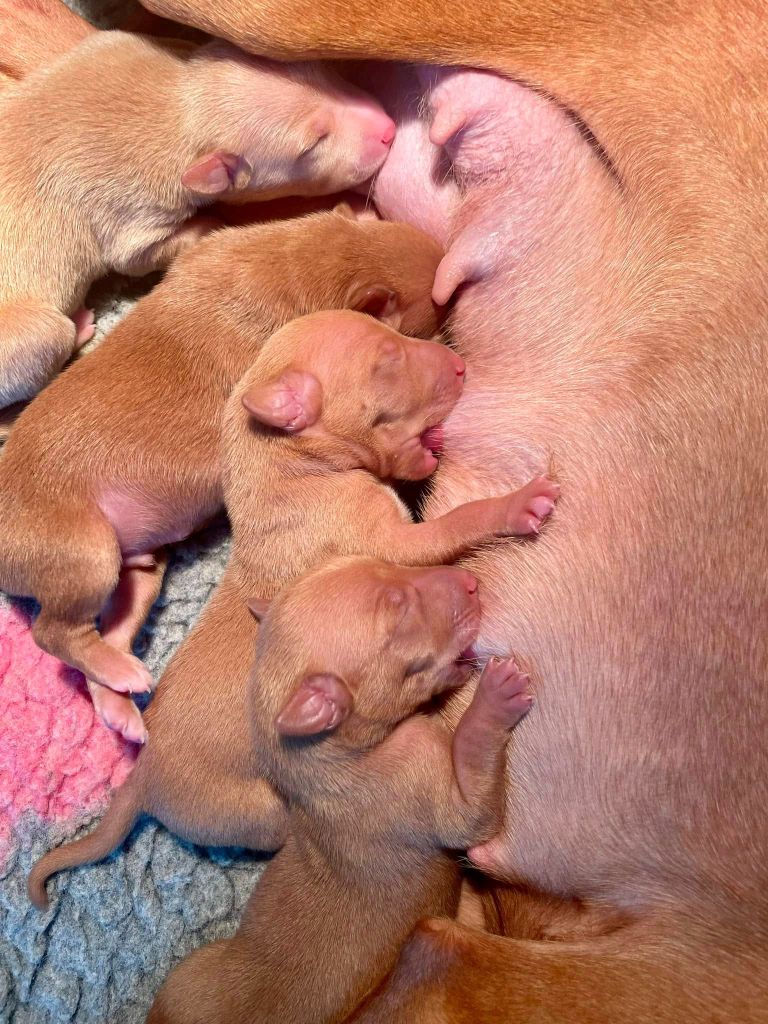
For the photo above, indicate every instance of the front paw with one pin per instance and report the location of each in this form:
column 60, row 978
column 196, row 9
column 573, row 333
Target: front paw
column 505, row 691
column 525, row 510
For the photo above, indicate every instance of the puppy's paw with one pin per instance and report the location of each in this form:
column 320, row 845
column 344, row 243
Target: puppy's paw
column 505, row 691
column 126, row 674
column 118, row 712
column 527, row 508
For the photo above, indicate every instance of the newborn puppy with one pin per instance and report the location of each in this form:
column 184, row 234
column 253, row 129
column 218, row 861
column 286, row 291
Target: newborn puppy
column 125, row 443
column 379, row 791
column 107, row 153
column 334, row 404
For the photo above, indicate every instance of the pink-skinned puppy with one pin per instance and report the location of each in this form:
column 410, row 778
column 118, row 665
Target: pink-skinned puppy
column 379, row 791
column 334, row 406
column 108, row 152
column 125, row 442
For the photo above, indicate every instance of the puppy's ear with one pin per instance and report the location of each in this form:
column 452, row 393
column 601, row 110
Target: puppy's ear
column 258, row 607
column 291, row 403
column 376, row 300
column 320, row 704
column 217, row 173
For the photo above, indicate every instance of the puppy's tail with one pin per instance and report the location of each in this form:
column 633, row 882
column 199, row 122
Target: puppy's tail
column 108, row 834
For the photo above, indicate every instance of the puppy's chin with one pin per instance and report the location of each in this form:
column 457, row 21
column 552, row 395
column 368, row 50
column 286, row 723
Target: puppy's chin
column 458, row 673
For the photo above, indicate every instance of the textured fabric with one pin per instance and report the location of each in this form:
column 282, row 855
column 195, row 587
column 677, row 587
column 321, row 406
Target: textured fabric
column 114, row 929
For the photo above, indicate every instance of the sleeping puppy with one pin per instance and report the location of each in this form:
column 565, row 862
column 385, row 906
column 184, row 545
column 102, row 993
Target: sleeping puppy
column 126, row 442
column 108, row 152
column 379, row 792
column 335, row 405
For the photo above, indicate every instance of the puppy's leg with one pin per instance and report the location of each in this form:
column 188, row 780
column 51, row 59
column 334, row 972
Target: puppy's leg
column 158, row 256
column 444, row 539
column 35, row 342
column 74, row 573
column 469, row 805
column 126, row 612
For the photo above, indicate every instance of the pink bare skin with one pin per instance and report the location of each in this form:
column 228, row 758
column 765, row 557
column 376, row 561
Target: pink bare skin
column 118, row 130
column 334, row 407
column 378, row 792
column 116, row 479
column 416, row 178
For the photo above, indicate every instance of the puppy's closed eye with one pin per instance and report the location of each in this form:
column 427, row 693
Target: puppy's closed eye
column 420, row 665
column 313, row 144
column 389, row 357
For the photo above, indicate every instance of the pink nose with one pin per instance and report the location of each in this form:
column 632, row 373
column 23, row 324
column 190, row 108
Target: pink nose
column 461, row 367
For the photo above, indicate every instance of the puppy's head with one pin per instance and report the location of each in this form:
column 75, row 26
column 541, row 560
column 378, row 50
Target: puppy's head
column 354, row 647
column 269, row 130
column 352, row 391
column 347, row 261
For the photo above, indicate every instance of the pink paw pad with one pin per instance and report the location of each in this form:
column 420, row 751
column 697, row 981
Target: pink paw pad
column 119, row 713
column 126, row 674
column 506, row 689
column 531, row 505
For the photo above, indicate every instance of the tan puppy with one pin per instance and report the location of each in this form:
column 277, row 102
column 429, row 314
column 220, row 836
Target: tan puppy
column 125, row 444
column 621, row 323
column 107, row 153
column 379, row 793
column 339, row 402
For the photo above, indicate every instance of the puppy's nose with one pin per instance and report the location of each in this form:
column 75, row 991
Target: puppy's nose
column 388, row 134
column 461, row 366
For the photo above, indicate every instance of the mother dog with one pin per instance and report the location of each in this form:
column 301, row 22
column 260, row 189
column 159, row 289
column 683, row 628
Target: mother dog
column 619, row 324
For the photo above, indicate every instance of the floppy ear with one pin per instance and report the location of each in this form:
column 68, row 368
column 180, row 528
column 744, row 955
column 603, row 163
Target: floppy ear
column 320, row 704
column 258, row 607
column 217, row 173
column 291, row 403
column 376, row 300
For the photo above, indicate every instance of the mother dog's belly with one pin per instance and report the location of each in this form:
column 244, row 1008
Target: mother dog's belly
column 590, row 291
column 636, row 777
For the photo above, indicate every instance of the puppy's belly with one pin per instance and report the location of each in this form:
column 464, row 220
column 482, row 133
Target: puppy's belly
column 144, row 522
